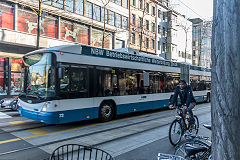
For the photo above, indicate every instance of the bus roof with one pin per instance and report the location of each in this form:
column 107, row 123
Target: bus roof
column 124, row 55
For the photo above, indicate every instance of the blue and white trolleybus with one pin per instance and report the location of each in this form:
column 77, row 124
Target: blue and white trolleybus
column 76, row 82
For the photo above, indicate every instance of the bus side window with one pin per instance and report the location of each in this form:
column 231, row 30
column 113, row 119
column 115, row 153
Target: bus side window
column 65, row 82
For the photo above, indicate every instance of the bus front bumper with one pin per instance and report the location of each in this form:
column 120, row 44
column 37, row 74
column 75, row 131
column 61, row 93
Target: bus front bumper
column 44, row 117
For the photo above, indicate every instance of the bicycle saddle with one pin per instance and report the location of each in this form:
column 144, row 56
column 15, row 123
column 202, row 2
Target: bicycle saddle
column 191, row 150
column 207, row 126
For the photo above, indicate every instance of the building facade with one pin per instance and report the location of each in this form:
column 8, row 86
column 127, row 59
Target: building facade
column 196, row 40
column 179, row 38
column 143, row 25
column 206, row 44
column 63, row 22
column 161, row 28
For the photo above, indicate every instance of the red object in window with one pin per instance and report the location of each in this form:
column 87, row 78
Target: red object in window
column 3, row 59
column 6, row 18
column 17, row 61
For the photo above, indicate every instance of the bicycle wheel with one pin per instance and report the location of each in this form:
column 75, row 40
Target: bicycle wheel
column 181, row 149
column 194, row 128
column 175, row 132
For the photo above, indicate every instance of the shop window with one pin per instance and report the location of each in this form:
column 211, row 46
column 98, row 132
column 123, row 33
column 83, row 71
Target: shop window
column 74, row 32
column 27, row 22
column 6, row 16
column 3, row 64
column 16, row 76
column 3, row 76
column 97, row 36
column 49, row 25
column 3, row 83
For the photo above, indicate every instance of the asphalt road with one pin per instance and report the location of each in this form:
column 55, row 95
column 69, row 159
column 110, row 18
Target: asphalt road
column 138, row 136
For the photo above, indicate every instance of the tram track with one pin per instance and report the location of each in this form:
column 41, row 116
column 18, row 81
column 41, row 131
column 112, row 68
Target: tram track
column 136, row 125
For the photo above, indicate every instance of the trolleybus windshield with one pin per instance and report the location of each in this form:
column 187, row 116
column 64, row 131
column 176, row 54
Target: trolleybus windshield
column 40, row 75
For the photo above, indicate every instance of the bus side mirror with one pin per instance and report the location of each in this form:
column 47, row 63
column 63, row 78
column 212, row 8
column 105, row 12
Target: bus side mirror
column 60, row 73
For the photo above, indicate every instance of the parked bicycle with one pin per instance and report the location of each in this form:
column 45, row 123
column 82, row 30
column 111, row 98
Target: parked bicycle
column 195, row 147
column 180, row 125
column 164, row 156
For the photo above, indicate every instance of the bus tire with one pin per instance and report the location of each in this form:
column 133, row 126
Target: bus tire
column 106, row 111
column 208, row 98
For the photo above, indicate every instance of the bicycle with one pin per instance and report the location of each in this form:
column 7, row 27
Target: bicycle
column 177, row 129
column 164, row 156
column 196, row 147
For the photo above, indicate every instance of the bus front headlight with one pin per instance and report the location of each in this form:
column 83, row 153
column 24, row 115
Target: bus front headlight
column 45, row 106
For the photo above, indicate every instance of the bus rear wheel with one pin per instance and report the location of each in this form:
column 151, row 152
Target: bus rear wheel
column 106, row 111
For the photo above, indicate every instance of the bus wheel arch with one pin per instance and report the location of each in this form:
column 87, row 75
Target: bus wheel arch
column 107, row 110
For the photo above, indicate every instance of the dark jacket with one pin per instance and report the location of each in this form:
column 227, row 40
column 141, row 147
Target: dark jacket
column 185, row 95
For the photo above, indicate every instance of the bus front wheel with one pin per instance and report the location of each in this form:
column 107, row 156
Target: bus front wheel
column 106, row 111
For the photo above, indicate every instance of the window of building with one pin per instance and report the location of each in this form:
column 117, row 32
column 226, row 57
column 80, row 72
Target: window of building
column 105, row 16
column 163, row 47
column 58, row 3
column 16, row 77
column 139, row 39
column 147, row 7
column 4, row 62
column 111, row 18
column 164, row 16
column 79, row 7
column 97, row 36
column 133, row 19
column 140, row 4
column 147, row 42
column 194, row 53
column 6, row 16
column 69, row 5
column 97, row 12
column 79, row 32
column 164, row 31
column 124, row 22
column 147, row 24
column 89, row 9
column 153, row 11
column 159, row 13
column 125, row 3
column 153, row 27
column 26, row 19
column 133, row 2
column 159, row 29
column 118, row 20
column 153, row 44
column 159, row 45
column 133, row 38
column 140, row 22
column 50, row 28
column 119, row 2
column 119, row 44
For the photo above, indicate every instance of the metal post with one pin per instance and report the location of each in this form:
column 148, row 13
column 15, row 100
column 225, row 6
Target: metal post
column 39, row 22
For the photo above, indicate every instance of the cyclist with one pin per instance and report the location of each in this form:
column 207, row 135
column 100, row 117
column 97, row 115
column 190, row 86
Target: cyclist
column 187, row 99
